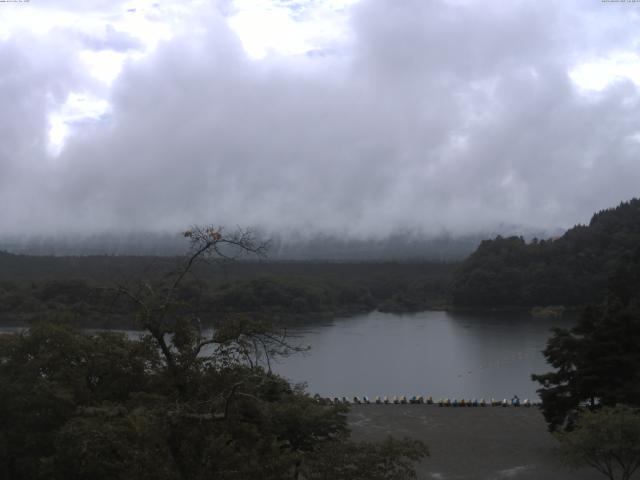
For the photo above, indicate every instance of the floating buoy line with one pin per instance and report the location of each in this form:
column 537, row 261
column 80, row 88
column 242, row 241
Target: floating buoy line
column 420, row 400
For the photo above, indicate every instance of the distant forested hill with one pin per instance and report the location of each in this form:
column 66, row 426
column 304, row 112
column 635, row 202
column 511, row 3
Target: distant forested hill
column 575, row 269
column 32, row 287
column 402, row 246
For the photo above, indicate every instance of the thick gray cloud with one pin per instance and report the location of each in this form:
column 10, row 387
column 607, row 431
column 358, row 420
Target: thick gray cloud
column 110, row 39
column 435, row 116
column 36, row 76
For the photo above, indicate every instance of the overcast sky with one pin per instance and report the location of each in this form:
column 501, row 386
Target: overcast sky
column 355, row 118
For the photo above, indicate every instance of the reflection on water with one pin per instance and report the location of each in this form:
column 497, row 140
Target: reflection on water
column 429, row 353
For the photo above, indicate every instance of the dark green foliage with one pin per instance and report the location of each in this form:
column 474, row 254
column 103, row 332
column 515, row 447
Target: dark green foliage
column 286, row 291
column 80, row 405
column 76, row 405
column 574, row 269
column 607, row 440
column 50, row 372
column 110, row 442
column 596, row 362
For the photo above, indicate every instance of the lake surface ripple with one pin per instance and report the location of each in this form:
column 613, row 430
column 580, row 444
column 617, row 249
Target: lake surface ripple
column 436, row 353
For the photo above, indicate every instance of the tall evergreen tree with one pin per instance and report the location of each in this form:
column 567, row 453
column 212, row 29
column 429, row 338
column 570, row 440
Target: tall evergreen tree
column 597, row 362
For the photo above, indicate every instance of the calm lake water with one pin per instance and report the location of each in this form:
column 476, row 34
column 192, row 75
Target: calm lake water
column 429, row 353
column 441, row 354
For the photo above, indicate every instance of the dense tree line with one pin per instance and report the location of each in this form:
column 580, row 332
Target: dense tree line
column 574, row 269
column 597, row 362
column 105, row 269
column 284, row 293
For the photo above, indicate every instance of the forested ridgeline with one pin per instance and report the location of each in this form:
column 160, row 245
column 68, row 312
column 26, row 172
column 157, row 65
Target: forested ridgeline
column 86, row 287
column 575, row 269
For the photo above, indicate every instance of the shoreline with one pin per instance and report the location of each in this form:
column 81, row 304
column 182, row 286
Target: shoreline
column 96, row 319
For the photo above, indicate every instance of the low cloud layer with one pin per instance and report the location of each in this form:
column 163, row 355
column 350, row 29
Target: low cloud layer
column 429, row 116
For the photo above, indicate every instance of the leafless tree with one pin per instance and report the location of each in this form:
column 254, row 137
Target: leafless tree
column 181, row 339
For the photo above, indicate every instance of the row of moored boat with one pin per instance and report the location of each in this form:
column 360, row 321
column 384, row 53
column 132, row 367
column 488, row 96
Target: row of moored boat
column 443, row 402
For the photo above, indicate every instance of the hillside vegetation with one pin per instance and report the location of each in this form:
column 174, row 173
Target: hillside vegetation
column 31, row 287
column 575, row 269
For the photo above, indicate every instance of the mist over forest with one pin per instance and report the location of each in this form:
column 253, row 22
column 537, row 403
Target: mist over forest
column 401, row 246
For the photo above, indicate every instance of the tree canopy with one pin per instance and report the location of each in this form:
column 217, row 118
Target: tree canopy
column 574, row 269
column 597, row 362
column 607, row 440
